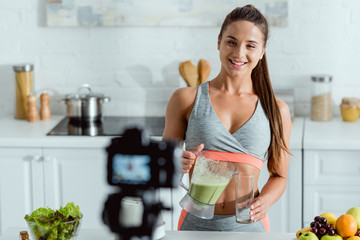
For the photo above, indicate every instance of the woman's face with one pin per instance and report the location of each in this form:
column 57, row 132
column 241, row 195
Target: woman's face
column 241, row 47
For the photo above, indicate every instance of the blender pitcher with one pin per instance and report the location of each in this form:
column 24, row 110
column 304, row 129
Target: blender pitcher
column 211, row 175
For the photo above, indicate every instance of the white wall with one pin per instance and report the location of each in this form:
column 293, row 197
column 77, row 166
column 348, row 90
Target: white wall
column 138, row 66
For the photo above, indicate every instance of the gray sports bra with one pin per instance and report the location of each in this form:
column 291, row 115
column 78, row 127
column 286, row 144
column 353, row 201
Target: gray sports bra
column 205, row 127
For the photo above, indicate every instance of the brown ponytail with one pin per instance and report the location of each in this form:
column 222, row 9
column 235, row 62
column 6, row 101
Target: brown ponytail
column 262, row 87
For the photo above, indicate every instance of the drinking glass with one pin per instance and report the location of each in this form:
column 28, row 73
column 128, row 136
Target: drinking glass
column 244, row 196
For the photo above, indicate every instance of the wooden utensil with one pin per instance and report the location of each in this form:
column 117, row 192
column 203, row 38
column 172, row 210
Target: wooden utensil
column 189, row 72
column 204, row 70
column 194, row 76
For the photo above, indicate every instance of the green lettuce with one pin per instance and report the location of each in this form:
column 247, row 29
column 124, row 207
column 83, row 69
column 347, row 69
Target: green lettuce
column 48, row 224
column 70, row 210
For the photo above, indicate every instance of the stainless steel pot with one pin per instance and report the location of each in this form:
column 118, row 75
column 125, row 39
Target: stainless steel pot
column 85, row 106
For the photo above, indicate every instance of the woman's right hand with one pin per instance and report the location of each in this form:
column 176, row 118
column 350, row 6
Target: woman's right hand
column 188, row 158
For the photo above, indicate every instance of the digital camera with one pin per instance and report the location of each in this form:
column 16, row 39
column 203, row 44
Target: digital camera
column 139, row 166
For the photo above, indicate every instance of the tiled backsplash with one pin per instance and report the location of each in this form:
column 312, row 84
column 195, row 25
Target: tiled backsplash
column 138, row 66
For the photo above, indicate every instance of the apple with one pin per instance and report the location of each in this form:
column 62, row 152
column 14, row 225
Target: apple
column 308, row 236
column 301, row 231
column 355, row 212
column 353, row 238
column 328, row 237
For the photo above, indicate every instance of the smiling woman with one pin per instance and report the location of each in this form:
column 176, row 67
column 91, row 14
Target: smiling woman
column 236, row 113
column 242, row 46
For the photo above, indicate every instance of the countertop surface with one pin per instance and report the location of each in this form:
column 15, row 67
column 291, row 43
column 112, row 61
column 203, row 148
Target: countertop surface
column 20, row 133
column 97, row 234
column 331, row 135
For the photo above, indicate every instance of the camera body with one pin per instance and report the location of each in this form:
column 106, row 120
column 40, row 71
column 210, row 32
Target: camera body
column 139, row 166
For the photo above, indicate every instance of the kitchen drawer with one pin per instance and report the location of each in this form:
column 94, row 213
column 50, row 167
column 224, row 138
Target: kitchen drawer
column 319, row 199
column 331, row 167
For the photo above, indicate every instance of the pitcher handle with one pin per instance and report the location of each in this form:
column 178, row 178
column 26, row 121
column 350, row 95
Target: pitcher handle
column 181, row 178
column 182, row 184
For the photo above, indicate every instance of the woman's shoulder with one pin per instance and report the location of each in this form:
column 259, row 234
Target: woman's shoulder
column 177, row 112
column 281, row 104
column 183, row 100
column 184, row 96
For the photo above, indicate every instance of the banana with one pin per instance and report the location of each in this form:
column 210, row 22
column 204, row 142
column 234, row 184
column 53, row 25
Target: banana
column 301, row 231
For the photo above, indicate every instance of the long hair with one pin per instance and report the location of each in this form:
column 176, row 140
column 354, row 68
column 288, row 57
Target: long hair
column 262, row 86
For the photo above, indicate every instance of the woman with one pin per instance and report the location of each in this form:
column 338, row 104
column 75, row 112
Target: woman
column 235, row 112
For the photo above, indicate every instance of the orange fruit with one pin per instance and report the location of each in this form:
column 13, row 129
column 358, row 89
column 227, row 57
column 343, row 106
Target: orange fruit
column 346, row 225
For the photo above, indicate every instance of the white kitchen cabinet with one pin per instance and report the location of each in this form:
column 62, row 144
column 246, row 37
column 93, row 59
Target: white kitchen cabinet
column 34, row 177
column 177, row 194
column 331, row 167
column 77, row 175
column 167, row 215
column 286, row 214
column 20, row 185
column 331, row 180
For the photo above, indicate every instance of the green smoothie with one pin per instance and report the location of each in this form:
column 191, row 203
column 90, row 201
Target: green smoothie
column 208, row 194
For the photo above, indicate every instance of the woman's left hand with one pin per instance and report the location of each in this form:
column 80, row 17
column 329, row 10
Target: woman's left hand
column 258, row 209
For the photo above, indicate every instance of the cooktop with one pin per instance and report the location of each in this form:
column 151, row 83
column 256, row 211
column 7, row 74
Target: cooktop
column 108, row 126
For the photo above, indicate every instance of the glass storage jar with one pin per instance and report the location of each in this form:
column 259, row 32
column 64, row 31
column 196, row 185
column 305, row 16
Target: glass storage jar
column 321, row 101
column 24, row 86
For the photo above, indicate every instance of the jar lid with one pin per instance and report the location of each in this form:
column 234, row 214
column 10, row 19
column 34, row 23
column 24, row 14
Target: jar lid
column 321, row 78
column 27, row 67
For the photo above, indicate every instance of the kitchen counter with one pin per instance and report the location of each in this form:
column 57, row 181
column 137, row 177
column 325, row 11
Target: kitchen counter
column 96, row 234
column 20, row 133
column 332, row 135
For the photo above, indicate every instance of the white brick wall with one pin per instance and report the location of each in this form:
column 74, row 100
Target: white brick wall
column 138, row 66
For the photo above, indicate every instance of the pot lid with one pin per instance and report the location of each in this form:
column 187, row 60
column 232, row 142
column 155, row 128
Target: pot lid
column 84, row 92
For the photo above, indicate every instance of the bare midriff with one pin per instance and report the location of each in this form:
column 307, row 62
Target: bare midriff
column 226, row 202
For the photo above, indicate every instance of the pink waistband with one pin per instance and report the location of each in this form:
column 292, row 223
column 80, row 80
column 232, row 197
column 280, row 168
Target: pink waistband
column 235, row 157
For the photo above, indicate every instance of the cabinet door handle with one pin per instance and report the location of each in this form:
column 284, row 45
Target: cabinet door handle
column 28, row 158
column 47, row 158
column 37, row 158
column 34, row 157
